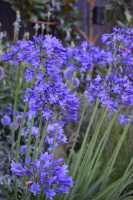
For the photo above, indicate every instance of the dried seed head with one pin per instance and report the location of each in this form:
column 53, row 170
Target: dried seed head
column 28, row 185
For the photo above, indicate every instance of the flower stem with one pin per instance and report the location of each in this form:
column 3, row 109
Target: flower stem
column 55, row 136
column 71, row 79
column 72, row 82
column 37, row 139
column 15, row 106
column 27, row 194
column 43, row 137
column 55, row 139
column 29, row 138
column 25, row 109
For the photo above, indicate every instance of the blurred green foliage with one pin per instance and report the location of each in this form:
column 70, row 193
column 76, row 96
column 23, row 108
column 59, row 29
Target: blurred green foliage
column 63, row 14
column 120, row 12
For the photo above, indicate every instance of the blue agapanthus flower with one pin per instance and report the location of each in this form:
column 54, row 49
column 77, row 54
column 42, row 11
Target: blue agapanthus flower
column 112, row 91
column 50, row 95
column 49, row 49
column 43, row 174
column 80, row 57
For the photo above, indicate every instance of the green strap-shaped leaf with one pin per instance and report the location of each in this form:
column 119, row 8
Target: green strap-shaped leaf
column 107, row 190
column 5, row 192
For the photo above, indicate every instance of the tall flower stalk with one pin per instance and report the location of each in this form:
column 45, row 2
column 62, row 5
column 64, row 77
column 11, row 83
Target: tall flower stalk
column 15, row 105
column 42, row 139
column 21, row 125
column 37, row 139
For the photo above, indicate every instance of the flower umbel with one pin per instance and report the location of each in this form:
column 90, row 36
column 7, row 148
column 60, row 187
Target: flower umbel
column 43, row 173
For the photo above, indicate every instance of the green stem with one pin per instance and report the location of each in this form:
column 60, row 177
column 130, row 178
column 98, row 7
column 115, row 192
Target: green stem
column 55, row 139
column 15, row 188
column 72, row 82
column 25, row 109
column 37, row 139
column 15, row 106
column 43, row 137
column 55, row 136
column 20, row 129
column 27, row 194
column 29, row 138
column 71, row 79
column 39, row 197
column 81, row 119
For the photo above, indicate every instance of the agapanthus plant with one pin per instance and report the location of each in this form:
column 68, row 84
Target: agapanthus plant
column 49, row 97
column 43, row 174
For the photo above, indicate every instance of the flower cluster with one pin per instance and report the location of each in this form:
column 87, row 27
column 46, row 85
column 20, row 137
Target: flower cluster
column 50, row 50
column 112, row 91
column 117, row 88
column 43, row 174
column 51, row 96
column 49, row 139
column 121, row 38
column 82, row 57
column 124, row 119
